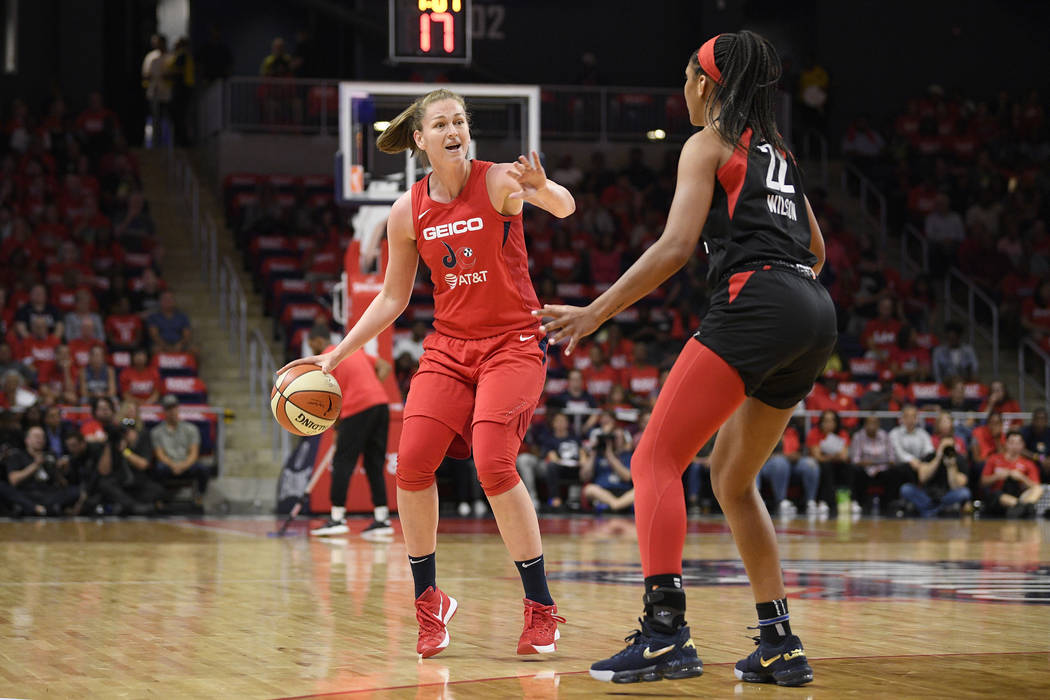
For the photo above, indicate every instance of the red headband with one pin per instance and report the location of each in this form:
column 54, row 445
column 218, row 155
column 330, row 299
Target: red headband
column 706, row 56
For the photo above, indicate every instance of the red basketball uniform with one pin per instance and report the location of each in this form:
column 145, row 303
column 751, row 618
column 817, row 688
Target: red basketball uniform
column 485, row 362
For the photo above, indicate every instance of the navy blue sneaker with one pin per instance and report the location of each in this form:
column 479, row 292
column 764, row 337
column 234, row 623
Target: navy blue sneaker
column 784, row 664
column 650, row 656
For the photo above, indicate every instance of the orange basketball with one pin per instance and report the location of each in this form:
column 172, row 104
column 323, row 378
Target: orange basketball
column 305, row 400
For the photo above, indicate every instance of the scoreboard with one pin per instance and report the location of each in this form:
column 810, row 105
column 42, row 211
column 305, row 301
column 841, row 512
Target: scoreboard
column 430, row 31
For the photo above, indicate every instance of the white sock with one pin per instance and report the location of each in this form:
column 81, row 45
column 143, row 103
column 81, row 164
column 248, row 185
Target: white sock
column 382, row 513
column 338, row 512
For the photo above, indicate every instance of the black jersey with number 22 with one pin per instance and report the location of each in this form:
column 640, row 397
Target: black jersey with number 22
column 758, row 211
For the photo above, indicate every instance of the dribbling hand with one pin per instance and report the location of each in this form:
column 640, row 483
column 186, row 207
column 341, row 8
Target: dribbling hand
column 529, row 174
column 567, row 322
column 324, row 361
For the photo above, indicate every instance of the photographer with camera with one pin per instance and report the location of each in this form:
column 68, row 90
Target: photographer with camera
column 941, row 478
column 40, row 485
column 123, row 472
column 607, row 466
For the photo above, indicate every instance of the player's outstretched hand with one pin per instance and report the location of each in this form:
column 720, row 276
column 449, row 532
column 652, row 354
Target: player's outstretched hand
column 570, row 323
column 529, row 174
column 324, row 361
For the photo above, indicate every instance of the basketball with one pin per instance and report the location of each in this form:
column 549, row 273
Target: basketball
column 305, row 401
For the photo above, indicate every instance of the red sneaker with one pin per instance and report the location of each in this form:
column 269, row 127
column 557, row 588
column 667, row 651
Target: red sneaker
column 541, row 629
column 434, row 610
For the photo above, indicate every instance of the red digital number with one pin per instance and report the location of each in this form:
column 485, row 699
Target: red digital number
column 448, row 31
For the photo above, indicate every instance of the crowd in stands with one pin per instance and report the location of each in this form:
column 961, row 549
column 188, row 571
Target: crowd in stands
column 968, row 175
column 87, row 325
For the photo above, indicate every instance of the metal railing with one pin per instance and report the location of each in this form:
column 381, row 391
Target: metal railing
column 261, row 368
column 571, row 112
column 872, row 201
column 1022, row 377
column 233, row 310
column 912, row 240
column 815, row 150
column 969, row 311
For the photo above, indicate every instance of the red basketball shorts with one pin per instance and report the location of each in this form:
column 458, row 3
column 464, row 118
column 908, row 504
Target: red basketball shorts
column 463, row 382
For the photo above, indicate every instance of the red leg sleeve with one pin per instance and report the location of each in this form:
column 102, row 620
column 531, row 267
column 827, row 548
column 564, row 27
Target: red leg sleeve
column 424, row 442
column 701, row 392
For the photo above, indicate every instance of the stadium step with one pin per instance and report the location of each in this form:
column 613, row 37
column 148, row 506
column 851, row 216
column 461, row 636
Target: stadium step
column 249, row 470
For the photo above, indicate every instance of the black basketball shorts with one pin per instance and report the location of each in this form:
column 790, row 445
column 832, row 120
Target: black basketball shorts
column 775, row 325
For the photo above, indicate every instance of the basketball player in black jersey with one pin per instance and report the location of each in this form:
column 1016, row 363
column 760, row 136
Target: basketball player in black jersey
column 762, row 344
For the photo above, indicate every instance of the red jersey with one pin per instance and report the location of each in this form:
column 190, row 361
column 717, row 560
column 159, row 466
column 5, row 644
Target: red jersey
column 881, row 332
column 642, row 380
column 124, row 330
column 600, row 381
column 139, row 384
column 1000, row 461
column 986, row 443
column 356, row 376
column 477, row 260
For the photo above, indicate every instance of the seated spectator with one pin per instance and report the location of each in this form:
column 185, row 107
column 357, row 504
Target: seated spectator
column 561, row 450
column 529, row 461
column 140, row 381
column 908, row 361
column 97, row 378
column 828, row 444
column 123, row 327
column 861, row 142
column 14, row 393
column 987, row 439
column 999, row 400
column 1035, row 312
column 574, row 400
column 607, row 466
column 873, row 452
column 9, row 363
column 82, row 316
column 61, row 383
column 108, row 484
column 953, row 358
column 786, row 460
column 1010, row 481
column 618, row 350
column 169, row 328
column 176, row 446
column 38, row 307
column 148, row 290
column 880, row 333
column 38, row 349
column 36, row 479
column 941, row 478
column 599, row 376
column 81, row 348
column 1037, row 441
column 102, row 423
column 55, row 430
column 412, row 345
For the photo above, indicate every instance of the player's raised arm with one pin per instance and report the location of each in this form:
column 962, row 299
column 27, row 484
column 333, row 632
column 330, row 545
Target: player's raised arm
column 391, row 300
column 526, row 180
column 692, row 199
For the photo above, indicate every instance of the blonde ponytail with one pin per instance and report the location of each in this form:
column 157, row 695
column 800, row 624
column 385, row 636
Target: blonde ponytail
column 399, row 136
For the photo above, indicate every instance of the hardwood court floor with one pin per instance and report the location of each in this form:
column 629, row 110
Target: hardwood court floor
column 215, row 608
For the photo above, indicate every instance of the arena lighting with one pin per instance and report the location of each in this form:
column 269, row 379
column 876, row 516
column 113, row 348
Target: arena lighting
column 380, row 126
column 656, row 135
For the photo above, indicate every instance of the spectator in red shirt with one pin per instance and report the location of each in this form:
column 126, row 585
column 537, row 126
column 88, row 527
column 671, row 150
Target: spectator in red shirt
column 999, row 400
column 60, row 384
column 880, row 333
column 908, row 361
column 81, row 347
column 123, row 328
column 640, row 376
column 599, row 377
column 617, row 348
column 1011, row 481
column 987, row 439
column 1035, row 316
column 140, row 381
column 38, row 350
column 606, row 260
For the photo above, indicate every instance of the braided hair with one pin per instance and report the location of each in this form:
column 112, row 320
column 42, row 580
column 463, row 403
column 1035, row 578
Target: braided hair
column 750, row 69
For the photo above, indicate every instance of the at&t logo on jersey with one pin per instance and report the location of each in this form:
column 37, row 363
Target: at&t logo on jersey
column 467, row 279
column 431, row 233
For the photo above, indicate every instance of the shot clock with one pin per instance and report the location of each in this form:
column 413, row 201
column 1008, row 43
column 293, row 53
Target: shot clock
column 430, row 31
